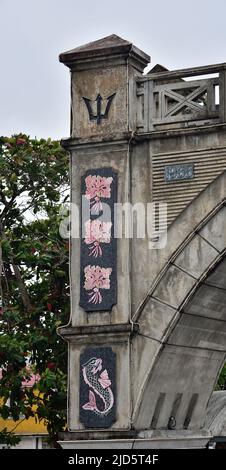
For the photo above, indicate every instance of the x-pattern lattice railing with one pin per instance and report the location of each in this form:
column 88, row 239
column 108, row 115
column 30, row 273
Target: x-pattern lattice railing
column 192, row 103
column 165, row 98
column 185, row 101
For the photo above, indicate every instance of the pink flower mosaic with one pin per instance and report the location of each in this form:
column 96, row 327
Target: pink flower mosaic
column 98, row 247
column 96, row 278
column 97, row 187
column 97, row 232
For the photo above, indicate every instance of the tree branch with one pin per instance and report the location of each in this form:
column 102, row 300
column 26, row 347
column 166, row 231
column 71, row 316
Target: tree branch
column 21, row 285
column 23, row 291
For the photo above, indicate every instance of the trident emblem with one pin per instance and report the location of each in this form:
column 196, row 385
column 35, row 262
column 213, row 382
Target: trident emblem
column 99, row 115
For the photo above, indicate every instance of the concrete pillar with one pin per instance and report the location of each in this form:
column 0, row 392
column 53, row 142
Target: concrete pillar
column 103, row 119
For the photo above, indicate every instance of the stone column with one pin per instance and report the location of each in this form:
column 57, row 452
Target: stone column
column 103, row 119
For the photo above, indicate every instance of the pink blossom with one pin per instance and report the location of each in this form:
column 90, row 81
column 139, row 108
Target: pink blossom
column 95, row 276
column 20, row 141
column 98, row 186
column 96, row 230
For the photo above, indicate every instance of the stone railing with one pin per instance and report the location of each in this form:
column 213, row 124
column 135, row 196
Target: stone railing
column 168, row 100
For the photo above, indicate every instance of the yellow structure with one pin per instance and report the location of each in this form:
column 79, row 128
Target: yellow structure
column 32, row 433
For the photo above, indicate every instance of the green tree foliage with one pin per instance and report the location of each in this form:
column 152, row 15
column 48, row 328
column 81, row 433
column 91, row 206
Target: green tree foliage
column 221, row 384
column 34, row 283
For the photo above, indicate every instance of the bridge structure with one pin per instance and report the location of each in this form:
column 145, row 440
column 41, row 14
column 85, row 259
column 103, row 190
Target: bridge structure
column 147, row 332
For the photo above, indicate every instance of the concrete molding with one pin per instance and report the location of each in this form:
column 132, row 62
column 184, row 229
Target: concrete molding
column 164, row 440
column 111, row 49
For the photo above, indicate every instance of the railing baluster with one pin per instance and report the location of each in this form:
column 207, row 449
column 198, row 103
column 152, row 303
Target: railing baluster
column 222, row 93
column 151, row 104
column 185, row 108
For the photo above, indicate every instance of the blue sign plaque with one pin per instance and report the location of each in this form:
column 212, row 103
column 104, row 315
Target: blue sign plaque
column 184, row 171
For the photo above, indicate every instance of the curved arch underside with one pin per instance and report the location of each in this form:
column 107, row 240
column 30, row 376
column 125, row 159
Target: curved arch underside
column 181, row 344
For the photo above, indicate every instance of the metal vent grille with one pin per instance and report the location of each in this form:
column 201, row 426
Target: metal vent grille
column 208, row 164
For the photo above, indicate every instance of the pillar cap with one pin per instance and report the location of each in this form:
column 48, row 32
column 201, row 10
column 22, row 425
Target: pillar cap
column 111, row 47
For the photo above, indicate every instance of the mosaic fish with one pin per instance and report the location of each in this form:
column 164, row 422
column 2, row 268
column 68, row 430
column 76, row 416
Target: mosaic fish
column 100, row 384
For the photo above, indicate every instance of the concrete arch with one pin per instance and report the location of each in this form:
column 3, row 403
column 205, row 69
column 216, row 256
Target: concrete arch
column 181, row 344
column 216, row 414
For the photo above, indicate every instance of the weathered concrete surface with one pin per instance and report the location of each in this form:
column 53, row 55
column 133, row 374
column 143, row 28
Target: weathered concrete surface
column 216, row 414
column 153, row 261
column 174, row 286
column 215, row 231
column 196, row 257
column 159, row 441
column 116, row 156
column 89, row 84
column 218, row 280
column 189, row 355
column 176, row 296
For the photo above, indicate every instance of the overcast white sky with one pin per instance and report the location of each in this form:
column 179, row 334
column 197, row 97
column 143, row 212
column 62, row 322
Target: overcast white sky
column 34, row 86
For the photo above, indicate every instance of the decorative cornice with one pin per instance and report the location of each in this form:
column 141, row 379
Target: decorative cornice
column 71, row 143
column 111, row 49
column 79, row 332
